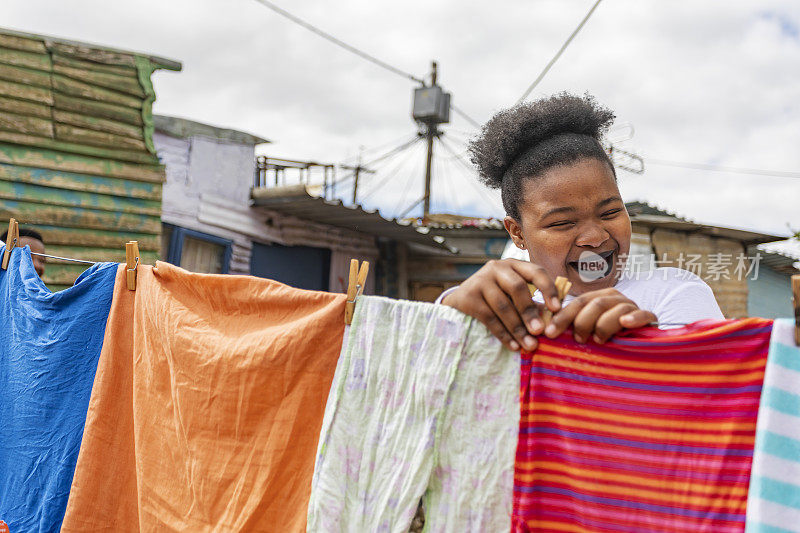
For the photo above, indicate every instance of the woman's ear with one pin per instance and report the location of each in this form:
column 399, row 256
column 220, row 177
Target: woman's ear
column 515, row 232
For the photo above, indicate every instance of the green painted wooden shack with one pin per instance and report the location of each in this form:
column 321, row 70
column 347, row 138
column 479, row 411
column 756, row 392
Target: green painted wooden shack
column 77, row 161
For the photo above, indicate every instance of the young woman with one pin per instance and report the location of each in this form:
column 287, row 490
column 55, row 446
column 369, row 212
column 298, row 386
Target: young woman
column 563, row 206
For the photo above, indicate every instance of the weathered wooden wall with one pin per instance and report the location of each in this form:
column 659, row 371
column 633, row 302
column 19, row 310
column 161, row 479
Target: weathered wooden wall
column 729, row 290
column 76, row 151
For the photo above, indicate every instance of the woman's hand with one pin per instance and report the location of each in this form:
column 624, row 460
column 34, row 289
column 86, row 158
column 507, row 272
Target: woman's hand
column 499, row 297
column 599, row 314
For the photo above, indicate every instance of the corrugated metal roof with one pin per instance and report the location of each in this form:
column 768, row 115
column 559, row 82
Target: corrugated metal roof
column 449, row 225
column 304, row 201
column 777, row 261
column 671, row 223
column 184, row 128
column 644, row 208
column 451, row 221
column 646, row 214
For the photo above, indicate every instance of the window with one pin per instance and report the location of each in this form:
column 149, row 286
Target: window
column 303, row 267
column 196, row 251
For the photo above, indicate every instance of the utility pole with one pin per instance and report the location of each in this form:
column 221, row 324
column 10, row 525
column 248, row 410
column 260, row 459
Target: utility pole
column 357, row 170
column 431, row 131
column 431, row 108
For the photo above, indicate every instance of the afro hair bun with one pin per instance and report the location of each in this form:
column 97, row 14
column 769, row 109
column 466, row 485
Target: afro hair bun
column 514, row 131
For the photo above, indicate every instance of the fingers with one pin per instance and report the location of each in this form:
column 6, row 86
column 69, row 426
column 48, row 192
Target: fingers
column 515, row 286
column 594, row 303
column 638, row 319
column 564, row 318
column 505, row 313
column 533, row 273
column 599, row 314
column 590, row 318
column 499, row 297
column 472, row 303
column 496, row 327
column 609, row 322
column 536, row 324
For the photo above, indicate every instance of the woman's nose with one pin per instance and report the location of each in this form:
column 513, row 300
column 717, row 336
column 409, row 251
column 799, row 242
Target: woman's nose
column 592, row 236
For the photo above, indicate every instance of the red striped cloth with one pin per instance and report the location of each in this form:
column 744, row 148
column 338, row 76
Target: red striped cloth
column 653, row 431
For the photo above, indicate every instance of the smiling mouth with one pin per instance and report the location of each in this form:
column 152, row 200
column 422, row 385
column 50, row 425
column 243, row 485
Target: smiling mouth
column 594, row 268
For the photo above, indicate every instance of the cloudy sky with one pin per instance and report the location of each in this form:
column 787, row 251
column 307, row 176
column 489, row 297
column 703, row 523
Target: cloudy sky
column 710, row 83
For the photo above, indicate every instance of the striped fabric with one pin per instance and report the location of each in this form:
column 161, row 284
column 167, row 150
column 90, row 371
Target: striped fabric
column 649, row 432
column 774, row 501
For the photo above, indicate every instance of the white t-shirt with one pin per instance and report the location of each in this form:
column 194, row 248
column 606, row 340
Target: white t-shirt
column 674, row 295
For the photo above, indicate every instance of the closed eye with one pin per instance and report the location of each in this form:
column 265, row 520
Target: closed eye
column 611, row 212
column 561, row 224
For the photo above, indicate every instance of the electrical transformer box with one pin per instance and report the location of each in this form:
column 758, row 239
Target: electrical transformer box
column 431, row 105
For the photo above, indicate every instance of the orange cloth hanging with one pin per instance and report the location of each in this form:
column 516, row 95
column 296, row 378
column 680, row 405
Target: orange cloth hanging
column 207, row 405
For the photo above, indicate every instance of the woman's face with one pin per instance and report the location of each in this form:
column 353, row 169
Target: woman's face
column 574, row 224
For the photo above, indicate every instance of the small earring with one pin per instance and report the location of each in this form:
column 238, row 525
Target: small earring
column 521, row 246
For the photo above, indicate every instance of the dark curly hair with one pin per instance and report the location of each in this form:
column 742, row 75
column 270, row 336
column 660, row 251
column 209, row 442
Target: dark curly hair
column 23, row 232
column 526, row 140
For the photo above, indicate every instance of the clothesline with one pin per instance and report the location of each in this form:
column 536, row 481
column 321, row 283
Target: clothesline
column 652, row 324
column 356, row 284
column 65, row 258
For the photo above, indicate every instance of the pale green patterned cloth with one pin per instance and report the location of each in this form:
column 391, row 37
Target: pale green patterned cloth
column 424, row 403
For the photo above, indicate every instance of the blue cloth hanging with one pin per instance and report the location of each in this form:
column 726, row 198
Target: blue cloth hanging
column 49, row 347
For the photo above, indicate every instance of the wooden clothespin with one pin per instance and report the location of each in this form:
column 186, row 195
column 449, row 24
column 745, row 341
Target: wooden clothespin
column 563, row 285
column 11, row 242
column 355, row 286
column 132, row 263
column 796, row 302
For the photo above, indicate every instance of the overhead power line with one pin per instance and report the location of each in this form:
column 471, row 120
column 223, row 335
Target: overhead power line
column 389, row 175
column 415, row 139
column 360, row 53
column 410, row 208
column 720, row 168
column 363, row 151
column 558, row 54
column 382, row 158
column 364, row 55
column 416, row 169
column 465, row 116
column 338, row 42
column 470, row 171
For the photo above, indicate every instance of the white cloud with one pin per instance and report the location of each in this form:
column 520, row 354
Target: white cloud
column 703, row 82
